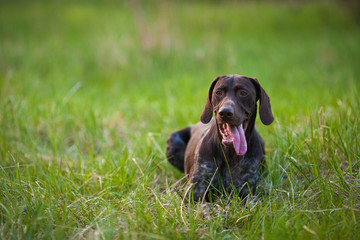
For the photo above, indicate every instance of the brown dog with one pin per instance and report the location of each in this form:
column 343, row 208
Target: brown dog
column 226, row 152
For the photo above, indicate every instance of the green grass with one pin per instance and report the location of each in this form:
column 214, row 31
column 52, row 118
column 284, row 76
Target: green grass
column 89, row 92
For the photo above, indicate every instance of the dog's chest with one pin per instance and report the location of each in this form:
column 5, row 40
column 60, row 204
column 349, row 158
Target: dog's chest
column 239, row 171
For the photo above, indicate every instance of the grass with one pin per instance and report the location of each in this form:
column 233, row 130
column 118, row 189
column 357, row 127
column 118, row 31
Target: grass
column 89, row 92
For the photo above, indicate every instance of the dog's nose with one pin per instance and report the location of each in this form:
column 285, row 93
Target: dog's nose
column 226, row 112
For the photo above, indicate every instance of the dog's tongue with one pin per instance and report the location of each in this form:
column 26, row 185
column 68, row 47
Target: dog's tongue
column 239, row 141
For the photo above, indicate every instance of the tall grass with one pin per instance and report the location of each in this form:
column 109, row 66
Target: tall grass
column 89, row 92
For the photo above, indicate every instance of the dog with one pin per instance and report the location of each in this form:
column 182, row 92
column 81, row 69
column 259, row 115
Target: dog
column 224, row 153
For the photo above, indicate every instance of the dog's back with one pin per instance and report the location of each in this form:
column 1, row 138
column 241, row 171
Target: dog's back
column 183, row 144
column 176, row 145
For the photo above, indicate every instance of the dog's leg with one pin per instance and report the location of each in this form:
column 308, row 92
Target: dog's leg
column 176, row 146
column 248, row 184
column 203, row 179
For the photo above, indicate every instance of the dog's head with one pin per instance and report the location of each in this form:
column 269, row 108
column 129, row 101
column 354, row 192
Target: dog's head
column 233, row 99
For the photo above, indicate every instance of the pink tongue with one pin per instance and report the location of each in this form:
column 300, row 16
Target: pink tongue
column 239, row 141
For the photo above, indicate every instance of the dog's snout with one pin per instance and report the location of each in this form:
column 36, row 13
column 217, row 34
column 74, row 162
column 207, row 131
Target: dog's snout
column 226, row 112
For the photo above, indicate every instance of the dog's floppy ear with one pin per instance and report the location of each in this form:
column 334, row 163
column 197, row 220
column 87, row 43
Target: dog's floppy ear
column 208, row 109
column 265, row 112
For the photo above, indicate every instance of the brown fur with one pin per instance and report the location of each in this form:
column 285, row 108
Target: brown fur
column 198, row 150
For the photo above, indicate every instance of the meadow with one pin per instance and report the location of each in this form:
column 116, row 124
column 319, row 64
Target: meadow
column 90, row 90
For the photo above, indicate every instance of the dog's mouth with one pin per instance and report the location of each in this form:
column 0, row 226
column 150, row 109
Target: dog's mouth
column 234, row 136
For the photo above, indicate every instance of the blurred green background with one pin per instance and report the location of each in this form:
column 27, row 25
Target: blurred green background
column 88, row 86
column 147, row 65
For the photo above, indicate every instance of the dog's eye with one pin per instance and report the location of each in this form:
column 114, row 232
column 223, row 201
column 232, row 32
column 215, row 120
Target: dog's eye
column 243, row 93
column 219, row 93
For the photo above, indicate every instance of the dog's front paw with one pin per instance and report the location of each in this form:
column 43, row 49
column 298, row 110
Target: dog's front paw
column 251, row 201
column 209, row 210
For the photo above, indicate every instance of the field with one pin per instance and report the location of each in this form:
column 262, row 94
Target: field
column 90, row 90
